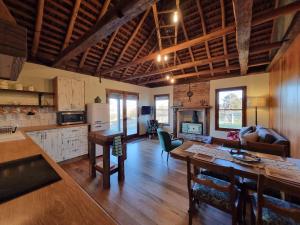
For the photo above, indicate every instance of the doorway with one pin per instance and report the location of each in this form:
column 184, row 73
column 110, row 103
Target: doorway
column 123, row 110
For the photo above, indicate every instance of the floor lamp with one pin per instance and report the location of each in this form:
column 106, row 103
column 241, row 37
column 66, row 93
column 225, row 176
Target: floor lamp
column 257, row 102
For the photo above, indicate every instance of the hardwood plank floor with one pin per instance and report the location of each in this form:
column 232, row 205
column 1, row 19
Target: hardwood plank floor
column 153, row 192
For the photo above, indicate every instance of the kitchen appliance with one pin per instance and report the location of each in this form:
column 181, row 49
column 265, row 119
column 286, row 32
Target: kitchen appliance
column 25, row 175
column 98, row 118
column 67, row 118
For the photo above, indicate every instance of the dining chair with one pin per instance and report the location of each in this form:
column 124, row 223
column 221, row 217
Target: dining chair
column 167, row 143
column 273, row 211
column 202, row 188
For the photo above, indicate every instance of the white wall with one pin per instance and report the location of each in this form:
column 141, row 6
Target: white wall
column 257, row 85
column 41, row 78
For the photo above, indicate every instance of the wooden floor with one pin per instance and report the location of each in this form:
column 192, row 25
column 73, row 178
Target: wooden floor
column 153, row 192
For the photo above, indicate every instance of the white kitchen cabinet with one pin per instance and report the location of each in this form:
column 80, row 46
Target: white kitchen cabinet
column 62, row 143
column 69, row 94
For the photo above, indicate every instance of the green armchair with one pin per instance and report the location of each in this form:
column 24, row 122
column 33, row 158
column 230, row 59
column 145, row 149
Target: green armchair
column 167, row 142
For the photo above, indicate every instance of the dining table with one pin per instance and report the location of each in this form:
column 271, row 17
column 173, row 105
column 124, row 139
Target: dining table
column 222, row 156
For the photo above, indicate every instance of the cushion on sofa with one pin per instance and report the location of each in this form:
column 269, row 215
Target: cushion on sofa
column 280, row 140
column 265, row 135
column 250, row 136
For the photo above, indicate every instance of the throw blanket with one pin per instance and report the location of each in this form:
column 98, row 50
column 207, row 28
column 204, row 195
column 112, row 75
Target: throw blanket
column 117, row 146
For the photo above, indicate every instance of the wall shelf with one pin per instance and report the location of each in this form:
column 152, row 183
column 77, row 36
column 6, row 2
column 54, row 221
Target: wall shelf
column 39, row 94
column 12, row 105
column 27, row 92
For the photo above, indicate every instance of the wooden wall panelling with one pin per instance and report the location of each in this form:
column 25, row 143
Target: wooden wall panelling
column 285, row 96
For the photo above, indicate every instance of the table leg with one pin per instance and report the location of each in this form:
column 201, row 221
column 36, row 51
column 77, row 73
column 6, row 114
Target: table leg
column 92, row 158
column 106, row 167
column 121, row 168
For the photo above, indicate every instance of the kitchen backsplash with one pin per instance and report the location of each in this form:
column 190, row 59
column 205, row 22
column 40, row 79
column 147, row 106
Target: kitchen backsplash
column 19, row 117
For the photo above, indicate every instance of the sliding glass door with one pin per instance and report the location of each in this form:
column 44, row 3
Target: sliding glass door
column 131, row 115
column 123, row 110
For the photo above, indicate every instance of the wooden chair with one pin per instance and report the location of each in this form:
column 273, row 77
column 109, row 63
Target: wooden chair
column 213, row 191
column 269, row 210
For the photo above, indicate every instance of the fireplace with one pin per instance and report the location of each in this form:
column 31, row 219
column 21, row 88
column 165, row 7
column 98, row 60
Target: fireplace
column 191, row 123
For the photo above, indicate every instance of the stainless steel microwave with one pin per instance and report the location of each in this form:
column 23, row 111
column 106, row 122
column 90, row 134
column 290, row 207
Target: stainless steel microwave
column 67, row 118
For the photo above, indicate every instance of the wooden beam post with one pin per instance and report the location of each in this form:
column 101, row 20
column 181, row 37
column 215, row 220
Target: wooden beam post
column 243, row 17
column 38, row 27
column 125, row 11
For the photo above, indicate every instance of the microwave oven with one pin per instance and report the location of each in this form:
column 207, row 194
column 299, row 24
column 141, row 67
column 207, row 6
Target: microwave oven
column 67, row 118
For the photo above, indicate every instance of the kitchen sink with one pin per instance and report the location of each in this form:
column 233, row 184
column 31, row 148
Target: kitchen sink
column 25, row 175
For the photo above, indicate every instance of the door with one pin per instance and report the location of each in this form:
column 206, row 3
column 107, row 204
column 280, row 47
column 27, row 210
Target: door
column 131, row 115
column 123, row 112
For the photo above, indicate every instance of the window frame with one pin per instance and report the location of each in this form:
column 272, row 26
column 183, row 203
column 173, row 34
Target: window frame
column 244, row 107
column 162, row 95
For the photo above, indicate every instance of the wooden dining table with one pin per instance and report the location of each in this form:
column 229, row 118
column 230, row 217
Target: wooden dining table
column 242, row 170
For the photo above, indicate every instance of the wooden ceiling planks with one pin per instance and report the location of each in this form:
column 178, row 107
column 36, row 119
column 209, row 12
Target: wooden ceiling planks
column 131, row 61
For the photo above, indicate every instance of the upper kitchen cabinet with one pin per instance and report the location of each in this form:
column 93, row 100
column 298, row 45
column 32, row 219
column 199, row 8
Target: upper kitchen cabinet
column 69, row 94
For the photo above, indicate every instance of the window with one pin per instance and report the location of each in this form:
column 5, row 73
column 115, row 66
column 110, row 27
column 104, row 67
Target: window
column 230, row 108
column 161, row 112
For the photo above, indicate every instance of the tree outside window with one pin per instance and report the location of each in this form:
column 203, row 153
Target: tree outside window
column 230, row 108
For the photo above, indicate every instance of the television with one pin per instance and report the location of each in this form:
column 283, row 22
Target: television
column 146, row 110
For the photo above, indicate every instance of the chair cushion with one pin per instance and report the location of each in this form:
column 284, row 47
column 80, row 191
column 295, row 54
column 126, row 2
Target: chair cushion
column 176, row 143
column 271, row 218
column 211, row 195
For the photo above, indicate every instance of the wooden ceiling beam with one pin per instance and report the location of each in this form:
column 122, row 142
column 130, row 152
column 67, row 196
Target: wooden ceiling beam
column 254, row 51
column 292, row 32
column 155, row 16
column 141, row 49
column 200, row 11
column 224, row 36
column 71, row 23
column 5, row 13
column 204, row 72
column 38, row 27
column 103, row 10
column 111, row 40
column 187, row 38
column 123, row 12
column 136, row 30
column 243, row 17
column 262, row 18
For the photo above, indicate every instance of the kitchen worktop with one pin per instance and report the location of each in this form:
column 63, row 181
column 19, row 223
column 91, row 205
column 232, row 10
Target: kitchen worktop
column 63, row 202
column 50, row 127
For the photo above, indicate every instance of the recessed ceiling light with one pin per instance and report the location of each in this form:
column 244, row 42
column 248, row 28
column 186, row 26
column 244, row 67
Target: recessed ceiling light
column 168, row 77
column 172, row 80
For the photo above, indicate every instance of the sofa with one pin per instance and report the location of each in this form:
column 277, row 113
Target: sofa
column 264, row 140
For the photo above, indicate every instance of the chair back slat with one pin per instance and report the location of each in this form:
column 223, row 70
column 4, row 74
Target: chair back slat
column 264, row 183
column 211, row 184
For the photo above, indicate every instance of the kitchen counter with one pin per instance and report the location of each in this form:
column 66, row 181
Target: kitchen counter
column 63, row 202
column 50, row 127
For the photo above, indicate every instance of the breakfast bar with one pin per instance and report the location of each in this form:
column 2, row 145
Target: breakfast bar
column 105, row 139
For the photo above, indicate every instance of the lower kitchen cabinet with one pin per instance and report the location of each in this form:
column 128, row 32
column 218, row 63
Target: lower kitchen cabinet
column 62, row 143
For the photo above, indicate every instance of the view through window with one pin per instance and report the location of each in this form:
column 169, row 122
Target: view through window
column 230, row 108
column 162, row 108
